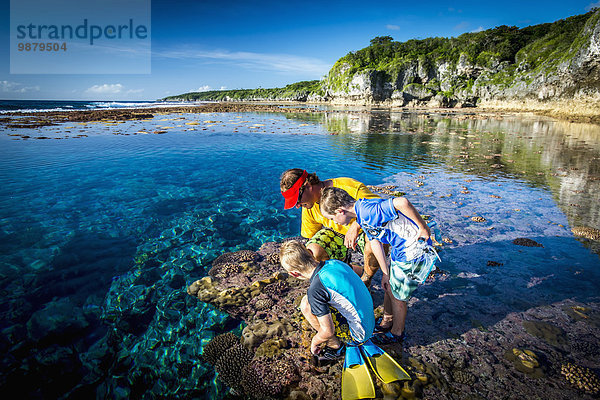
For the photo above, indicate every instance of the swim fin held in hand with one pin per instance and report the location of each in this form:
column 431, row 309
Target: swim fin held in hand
column 356, row 378
column 382, row 364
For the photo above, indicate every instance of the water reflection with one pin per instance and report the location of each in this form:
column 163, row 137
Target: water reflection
column 562, row 156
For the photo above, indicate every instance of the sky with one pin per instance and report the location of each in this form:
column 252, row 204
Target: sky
column 210, row 45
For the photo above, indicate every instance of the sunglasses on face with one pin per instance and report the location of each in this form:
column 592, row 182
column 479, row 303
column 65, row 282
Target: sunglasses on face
column 300, row 193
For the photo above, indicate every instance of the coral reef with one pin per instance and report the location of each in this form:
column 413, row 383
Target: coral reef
column 267, row 301
column 586, row 232
column 527, row 242
column 386, row 189
column 231, row 363
column 273, row 258
column 464, row 377
column 276, row 288
column 217, row 346
column 266, row 378
column 525, row 361
column 259, row 331
column 581, row 377
column 271, row 347
column 264, row 304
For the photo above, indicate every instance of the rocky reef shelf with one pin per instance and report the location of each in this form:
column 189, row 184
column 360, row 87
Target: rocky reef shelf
column 550, row 349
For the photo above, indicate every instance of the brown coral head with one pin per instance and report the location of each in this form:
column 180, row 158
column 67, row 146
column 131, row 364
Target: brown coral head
column 231, row 363
column 217, row 346
column 264, row 377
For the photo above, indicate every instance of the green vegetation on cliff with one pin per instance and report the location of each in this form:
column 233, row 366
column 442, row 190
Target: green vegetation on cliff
column 533, row 44
column 298, row 91
column 457, row 69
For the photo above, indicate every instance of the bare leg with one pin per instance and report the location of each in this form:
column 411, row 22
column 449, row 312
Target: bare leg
column 358, row 269
column 334, row 342
column 318, row 252
column 400, row 310
column 388, row 315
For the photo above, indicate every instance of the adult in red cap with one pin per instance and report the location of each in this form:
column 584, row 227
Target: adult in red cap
column 327, row 239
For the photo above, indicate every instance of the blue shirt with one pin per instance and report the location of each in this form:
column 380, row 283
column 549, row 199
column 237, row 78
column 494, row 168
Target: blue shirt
column 335, row 284
column 380, row 220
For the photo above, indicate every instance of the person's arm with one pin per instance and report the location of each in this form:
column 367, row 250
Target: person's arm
column 379, row 253
column 325, row 333
column 405, row 207
column 352, row 235
column 362, row 192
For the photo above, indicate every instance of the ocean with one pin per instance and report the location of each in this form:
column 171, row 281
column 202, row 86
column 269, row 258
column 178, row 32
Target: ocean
column 102, row 231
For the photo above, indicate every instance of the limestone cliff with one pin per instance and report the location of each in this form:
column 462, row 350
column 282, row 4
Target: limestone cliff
column 539, row 67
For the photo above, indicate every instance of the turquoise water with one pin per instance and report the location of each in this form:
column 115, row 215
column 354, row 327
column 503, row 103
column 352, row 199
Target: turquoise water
column 84, row 219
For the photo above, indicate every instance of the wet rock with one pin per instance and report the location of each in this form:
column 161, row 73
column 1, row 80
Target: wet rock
column 586, row 232
column 494, row 264
column 526, row 242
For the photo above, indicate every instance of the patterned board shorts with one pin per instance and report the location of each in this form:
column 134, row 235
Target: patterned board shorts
column 333, row 243
column 400, row 280
column 342, row 330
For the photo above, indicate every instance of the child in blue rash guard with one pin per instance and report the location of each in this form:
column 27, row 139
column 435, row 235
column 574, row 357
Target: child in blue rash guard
column 333, row 285
column 397, row 223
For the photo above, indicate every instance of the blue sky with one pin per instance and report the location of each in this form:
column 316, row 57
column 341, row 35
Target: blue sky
column 205, row 45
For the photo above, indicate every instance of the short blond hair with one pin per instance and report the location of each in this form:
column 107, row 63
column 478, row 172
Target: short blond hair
column 333, row 198
column 295, row 256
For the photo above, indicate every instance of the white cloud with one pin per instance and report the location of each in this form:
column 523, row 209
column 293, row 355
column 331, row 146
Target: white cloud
column 14, row 87
column 204, row 88
column 223, row 88
column 480, row 29
column 393, row 27
column 105, row 89
column 134, row 91
column 591, row 6
column 462, row 26
column 283, row 63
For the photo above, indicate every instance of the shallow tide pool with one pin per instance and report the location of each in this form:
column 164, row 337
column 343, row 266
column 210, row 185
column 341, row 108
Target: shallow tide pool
column 137, row 204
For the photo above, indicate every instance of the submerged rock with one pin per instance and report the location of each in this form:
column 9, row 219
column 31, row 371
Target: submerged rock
column 581, row 377
column 586, row 232
column 527, row 242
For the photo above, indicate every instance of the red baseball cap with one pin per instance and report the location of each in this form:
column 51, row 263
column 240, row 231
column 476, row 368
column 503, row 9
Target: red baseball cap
column 291, row 195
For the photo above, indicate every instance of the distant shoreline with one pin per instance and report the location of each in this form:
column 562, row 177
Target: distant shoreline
column 47, row 118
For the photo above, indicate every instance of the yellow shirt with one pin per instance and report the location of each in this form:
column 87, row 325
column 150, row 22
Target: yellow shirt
column 313, row 220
